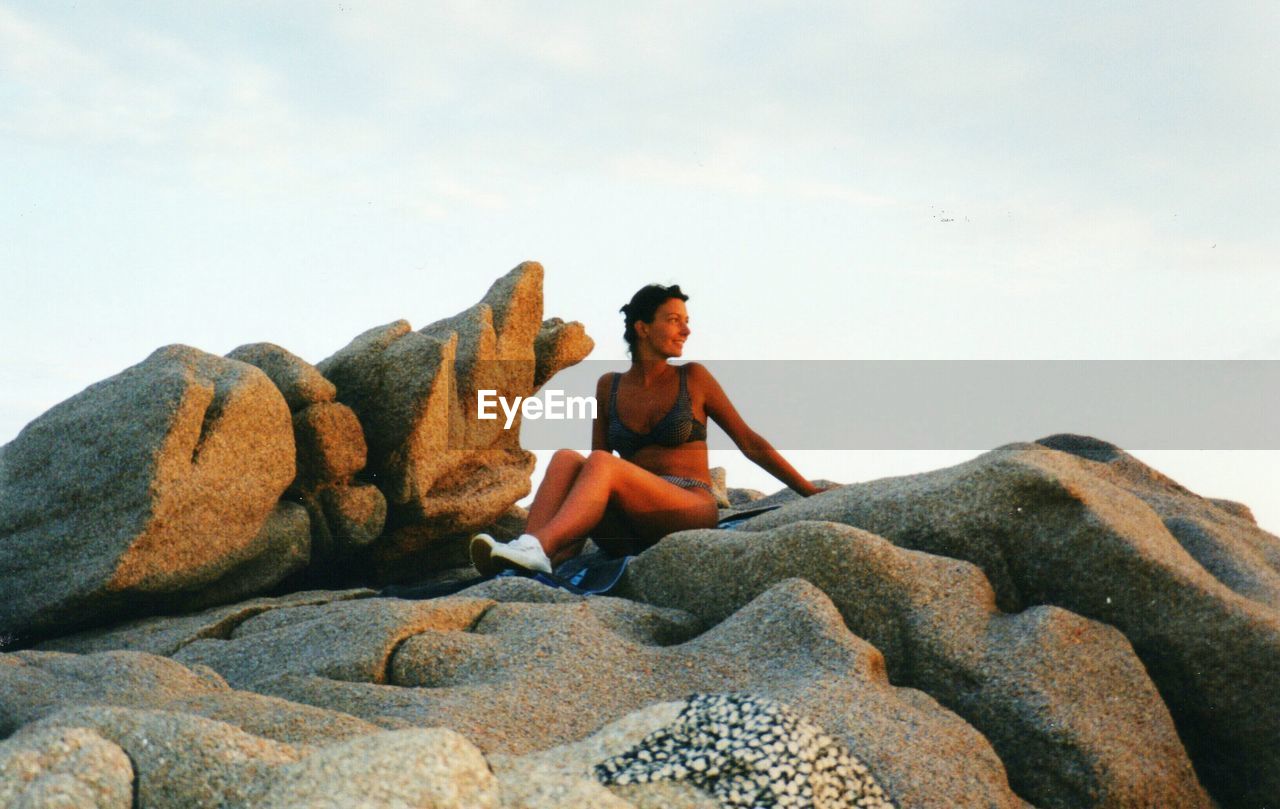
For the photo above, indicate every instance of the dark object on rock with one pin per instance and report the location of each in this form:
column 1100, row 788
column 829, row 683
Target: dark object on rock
column 749, row 752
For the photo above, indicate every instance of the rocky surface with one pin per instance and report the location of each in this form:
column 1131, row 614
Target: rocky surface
column 70, row 767
column 1063, row 700
column 162, row 502
column 1053, row 624
column 1088, row 531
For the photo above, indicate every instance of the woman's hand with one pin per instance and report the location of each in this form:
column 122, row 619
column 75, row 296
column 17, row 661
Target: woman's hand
column 818, row 490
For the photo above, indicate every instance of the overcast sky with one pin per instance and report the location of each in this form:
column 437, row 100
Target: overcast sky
column 826, row 180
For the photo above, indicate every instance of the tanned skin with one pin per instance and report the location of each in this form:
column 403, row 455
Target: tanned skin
column 602, row 496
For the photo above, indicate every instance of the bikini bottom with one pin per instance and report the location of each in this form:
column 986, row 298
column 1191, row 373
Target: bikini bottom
column 686, row 483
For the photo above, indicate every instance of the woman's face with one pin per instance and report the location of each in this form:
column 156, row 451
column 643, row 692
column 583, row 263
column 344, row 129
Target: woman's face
column 669, row 329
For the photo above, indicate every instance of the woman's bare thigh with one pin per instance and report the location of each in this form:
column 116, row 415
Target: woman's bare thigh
column 656, row 507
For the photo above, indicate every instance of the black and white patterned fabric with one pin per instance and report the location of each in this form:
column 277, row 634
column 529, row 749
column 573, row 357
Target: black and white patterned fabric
column 749, row 752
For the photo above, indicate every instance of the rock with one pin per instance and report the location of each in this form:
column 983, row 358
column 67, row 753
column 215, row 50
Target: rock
column 431, row 767
column 1222, row 536
column 349, row 641
column 563, row 776
column 1235, row 509
column 298, row 381
column 178, row 464
column 444, row 472
column 742, row 497
column 718, row 487
column 331, row 446
column 345, row 516
column 71, row 767
column 355, row 515
column 1064, row 701
column 1092, row 536
column 186, row 761
column 281, row 548
column 528, row 676
column 165, row 635
column 180, row 760
column 558, row 345
column 36, row 685
column 510, row 525
column 344, row 521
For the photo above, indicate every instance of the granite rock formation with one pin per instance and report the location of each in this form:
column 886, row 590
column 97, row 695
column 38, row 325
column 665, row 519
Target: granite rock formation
column 345, row 514
column 190, row 480
column 155, row 490
column 446, row 473
column 1090, row 529
column 1063, row 700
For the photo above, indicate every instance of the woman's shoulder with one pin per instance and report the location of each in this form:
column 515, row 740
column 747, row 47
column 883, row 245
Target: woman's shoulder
column 696, row 371
column 698, row 378
column 605, row 382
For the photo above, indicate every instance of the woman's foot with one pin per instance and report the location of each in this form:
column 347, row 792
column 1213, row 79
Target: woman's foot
column 490, row 556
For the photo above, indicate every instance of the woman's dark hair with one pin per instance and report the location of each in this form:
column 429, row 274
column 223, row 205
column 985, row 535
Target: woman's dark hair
column 644, row 306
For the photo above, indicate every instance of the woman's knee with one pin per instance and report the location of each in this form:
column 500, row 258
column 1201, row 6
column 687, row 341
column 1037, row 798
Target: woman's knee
column 567, row 457
column 599, row 462
column 600, row 465
column 599, row 457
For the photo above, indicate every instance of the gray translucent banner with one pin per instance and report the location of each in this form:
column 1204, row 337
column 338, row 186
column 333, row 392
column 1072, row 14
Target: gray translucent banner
column 940, row 404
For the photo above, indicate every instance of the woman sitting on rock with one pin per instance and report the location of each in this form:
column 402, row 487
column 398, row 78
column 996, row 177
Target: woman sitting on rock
column 661, row 481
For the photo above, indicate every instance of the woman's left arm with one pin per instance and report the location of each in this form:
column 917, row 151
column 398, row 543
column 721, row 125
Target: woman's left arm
column 752, row 444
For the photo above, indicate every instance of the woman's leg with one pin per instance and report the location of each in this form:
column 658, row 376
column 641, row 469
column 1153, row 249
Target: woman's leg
column 655, row 507
column 561, row 472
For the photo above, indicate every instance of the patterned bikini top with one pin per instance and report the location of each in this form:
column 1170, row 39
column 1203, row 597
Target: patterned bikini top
column 677, row 427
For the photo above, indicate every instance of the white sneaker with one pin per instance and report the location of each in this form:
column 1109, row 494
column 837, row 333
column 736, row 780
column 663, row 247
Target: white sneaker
column 481, row 550
column 490, row 556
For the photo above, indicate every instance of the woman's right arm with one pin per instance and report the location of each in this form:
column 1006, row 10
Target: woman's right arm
column 599, row 425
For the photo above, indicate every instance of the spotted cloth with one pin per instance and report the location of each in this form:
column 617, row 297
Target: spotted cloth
column 749, row 752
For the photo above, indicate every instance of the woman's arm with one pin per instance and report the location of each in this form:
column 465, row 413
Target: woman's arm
column 753, row 445
column 599, row 425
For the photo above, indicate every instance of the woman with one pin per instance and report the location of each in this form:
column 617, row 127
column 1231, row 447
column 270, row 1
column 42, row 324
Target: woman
column 661, row 482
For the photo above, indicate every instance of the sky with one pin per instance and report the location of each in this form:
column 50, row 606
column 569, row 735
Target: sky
column 826, row 180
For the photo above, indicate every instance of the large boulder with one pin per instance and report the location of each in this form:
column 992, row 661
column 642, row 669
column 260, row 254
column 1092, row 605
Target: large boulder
column 149, row 491
column 445, row 472
column 1087, row 528
column 1219, row 534
column 1064, row 700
